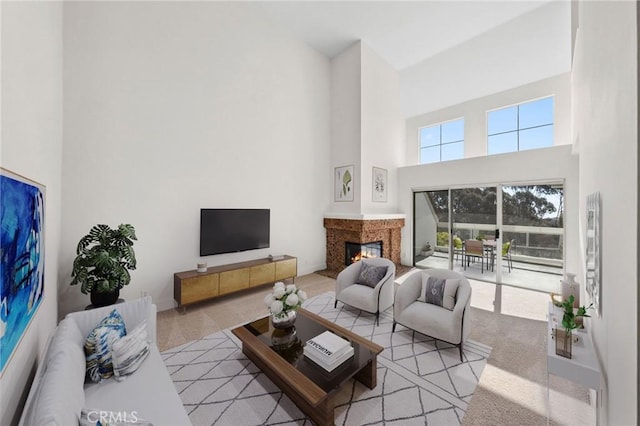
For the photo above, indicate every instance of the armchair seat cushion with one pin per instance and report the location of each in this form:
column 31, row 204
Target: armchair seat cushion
column 432, row 320
column 360, row 296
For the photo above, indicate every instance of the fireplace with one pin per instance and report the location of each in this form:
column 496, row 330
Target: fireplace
column 356, row 251
column 361, row 232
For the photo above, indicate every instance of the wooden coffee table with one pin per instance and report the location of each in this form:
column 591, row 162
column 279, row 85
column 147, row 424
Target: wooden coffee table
column 308, row 385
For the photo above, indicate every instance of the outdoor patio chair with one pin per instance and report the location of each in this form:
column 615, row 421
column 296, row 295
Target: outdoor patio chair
column 473, row 249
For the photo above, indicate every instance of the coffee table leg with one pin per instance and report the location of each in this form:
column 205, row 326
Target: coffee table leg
column 368, row 376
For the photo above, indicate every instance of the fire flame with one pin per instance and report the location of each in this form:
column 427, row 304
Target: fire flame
column 362, row 255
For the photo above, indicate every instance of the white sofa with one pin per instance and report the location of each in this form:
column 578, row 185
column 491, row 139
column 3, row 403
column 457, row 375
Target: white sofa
column 59, row 392
column 435, row 321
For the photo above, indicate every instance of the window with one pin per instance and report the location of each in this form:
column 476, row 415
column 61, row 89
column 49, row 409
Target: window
column 442, row 142
column 520, row 127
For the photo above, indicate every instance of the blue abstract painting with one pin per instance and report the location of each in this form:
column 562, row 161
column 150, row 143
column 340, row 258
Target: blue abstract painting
column 22, row 249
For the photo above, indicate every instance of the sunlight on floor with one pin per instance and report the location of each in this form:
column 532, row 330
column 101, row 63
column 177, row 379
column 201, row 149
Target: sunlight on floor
column 509, row 300
column 564, row 409
column 483, row 295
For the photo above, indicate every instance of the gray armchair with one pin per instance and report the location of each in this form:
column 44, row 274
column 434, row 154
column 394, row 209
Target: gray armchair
column 369, row 299
column 450, row 326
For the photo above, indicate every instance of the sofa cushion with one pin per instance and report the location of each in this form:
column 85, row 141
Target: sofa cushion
column 98, row 344
column 439, row 291
column 150, row 394
column 60, row 396
column 371, row 275
column 129, row 352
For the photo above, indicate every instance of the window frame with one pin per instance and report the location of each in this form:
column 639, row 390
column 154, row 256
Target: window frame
column 440, row 144
column 518, row 129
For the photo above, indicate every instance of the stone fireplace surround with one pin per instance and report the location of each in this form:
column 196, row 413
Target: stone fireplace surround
column 362, row 230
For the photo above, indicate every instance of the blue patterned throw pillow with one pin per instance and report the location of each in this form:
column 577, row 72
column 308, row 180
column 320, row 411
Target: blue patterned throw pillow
column 371, row 275
column 97, row 346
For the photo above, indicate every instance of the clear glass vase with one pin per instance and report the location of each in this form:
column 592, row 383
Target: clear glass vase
column 284, row 319
column 564, row 340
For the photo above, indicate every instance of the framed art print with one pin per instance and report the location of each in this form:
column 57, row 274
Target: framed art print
column 379, row 185
column 593, row 260
column 343, row 183
column 22, row 210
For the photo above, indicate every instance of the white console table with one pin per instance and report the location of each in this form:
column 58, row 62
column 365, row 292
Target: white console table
column 582, row 368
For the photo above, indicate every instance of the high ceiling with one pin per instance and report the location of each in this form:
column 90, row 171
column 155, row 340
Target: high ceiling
column 402, row 32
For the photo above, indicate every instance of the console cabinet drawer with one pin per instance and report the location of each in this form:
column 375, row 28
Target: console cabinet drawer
column 286, row 269
column 235, row 280
column 263, row 274
column 199, row 288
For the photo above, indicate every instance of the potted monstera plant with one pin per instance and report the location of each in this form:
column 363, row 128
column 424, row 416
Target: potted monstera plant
column 104, row 258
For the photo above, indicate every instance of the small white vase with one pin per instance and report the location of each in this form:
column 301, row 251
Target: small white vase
column 571, row 287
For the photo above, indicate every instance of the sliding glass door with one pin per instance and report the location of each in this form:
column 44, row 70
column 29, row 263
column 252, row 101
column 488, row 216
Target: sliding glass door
column 533, row 235
column 507, row 233
column 474, row 229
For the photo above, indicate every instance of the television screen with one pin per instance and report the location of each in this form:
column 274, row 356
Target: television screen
column 233, row 230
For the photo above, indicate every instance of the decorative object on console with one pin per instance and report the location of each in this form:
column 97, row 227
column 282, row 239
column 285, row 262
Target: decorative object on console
column 343, row 183
column 202, row 267
column 569, row 323
column 571, row 288
column 283, row 302
column 593, row 281
column 22, row 212
column 104, row 258
column 379, row 182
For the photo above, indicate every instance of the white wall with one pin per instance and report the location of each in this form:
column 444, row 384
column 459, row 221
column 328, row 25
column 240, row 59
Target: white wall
column 346, row 130
column 532, row 47
column 383, row 129
column 367, row 127
column 548, row 164
column 31, row 145
column 605, row 102
column 173, row 107
column 475, row 115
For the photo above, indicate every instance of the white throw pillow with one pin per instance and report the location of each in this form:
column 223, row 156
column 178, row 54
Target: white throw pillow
column 439, row 291
column 128, row 353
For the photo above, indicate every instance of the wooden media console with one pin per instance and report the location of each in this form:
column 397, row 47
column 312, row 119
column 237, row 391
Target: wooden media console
column 193, row 286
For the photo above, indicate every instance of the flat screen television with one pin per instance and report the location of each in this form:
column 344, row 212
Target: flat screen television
column 233, row 230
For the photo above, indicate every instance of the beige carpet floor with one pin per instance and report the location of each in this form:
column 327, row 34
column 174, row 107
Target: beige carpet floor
column 513, row 385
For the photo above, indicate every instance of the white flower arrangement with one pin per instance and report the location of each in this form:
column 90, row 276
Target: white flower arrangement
column 284, row 298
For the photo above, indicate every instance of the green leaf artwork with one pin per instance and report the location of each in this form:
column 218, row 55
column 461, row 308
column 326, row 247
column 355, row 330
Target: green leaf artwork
column 346, row 179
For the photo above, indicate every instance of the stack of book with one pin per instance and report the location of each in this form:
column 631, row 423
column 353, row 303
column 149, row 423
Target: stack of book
column 328, row 350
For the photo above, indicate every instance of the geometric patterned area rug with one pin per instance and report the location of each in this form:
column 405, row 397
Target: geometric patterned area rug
column 420, row 380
